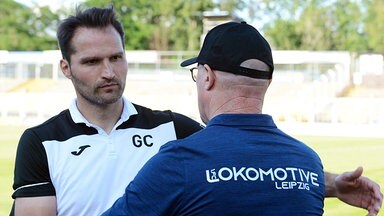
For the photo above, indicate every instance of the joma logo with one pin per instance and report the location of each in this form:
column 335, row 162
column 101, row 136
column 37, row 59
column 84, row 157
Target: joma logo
column 81, row 149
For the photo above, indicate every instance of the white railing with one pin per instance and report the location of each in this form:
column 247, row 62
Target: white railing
column 178, row 93
column 303, row 91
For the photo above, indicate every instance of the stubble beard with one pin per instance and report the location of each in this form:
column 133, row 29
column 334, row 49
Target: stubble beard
column 94, row 95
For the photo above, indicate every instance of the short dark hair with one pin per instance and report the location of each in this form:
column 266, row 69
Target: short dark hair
column 91, row 18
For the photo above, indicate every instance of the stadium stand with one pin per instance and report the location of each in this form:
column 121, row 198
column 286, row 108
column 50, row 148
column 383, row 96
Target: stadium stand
column 308, row 87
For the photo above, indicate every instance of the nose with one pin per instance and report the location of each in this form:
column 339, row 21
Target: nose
column 108, row 72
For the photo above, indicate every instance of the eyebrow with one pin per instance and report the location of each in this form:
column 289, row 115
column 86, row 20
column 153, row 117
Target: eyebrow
column 85, row 59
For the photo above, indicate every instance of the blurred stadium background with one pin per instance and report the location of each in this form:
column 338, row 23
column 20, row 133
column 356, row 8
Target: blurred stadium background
column 312, row 93
column 332, row 100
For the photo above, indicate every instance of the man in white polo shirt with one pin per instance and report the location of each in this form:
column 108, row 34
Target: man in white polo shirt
column 79, row 162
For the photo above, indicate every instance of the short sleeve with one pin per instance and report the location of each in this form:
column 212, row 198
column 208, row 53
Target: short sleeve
column 185, row 126
column 31, row 174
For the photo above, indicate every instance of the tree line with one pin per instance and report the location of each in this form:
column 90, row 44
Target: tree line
column 350, row 25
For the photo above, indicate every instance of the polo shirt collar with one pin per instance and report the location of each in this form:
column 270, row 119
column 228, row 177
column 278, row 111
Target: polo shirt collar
column 128, row 111
column 243, row 120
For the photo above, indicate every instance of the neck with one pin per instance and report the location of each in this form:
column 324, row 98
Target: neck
column 104, row 116
column 240, row 105
column 237, row 100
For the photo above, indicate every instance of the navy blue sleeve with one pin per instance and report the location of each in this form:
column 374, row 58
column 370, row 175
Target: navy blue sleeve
column 157, row 188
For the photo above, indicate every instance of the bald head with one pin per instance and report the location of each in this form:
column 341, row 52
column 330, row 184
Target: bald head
column 222, row 92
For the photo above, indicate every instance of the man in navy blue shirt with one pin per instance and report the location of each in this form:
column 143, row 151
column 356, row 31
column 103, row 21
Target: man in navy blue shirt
column 241, row 163
column 103, row 129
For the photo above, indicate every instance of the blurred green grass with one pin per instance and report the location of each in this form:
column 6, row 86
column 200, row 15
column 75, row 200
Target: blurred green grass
column 9, row 136
column 338, row 154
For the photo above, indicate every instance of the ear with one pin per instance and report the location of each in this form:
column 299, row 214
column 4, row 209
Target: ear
column 210, row 77
column 65, row 68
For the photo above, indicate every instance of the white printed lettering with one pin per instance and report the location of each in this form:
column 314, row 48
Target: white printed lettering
column 292, row 169
column 314, row 179
column 237, row 173
column 248, row 174
column 262, row 173
column 306, row 174
column 283, row 177
column 213, row 178
column 227, row 178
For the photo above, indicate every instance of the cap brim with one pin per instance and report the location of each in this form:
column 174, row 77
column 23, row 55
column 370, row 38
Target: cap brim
column 188, row 62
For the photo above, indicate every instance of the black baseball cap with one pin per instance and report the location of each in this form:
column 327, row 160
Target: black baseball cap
column 228, row 45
